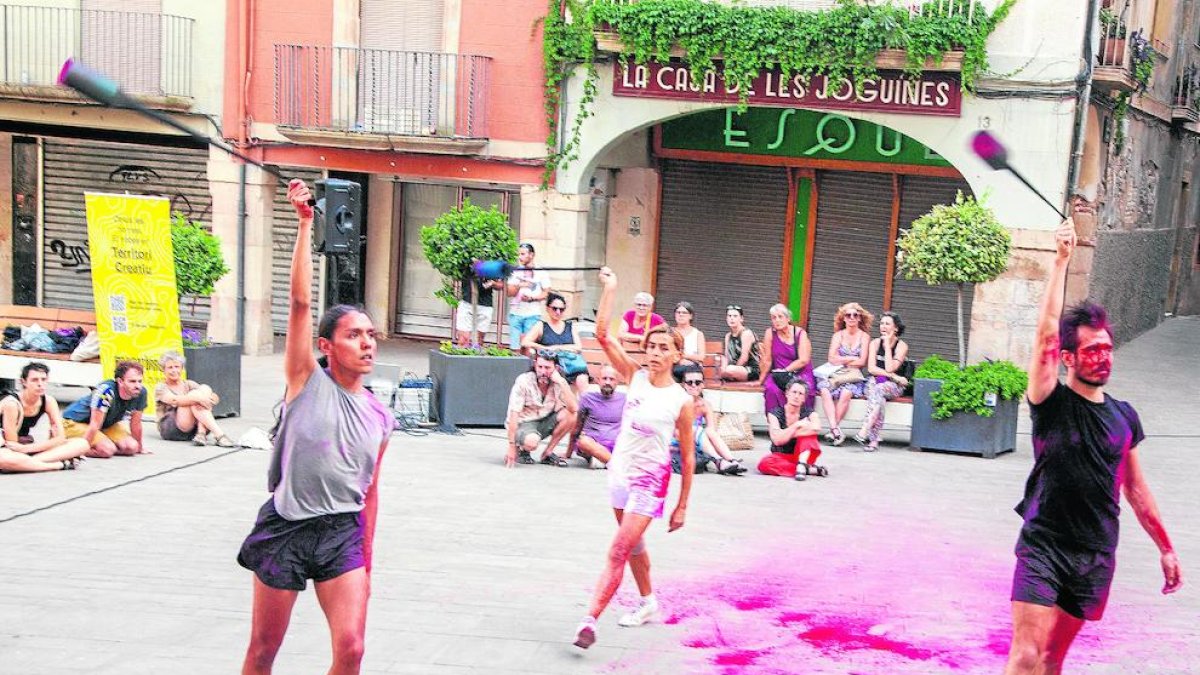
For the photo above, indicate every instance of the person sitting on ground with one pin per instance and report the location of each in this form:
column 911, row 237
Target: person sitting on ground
column 740, row 361
column 471, row 329
column 635, row 322
column 183, row 408
column 788, row 353
column 20, row 413
column 887, row 353
column 558, row 336
column 541, row 404
column 693, row 338
column 848, row 347
column 710, row 447
column 793, row 429
column 99, row 418
column 599, row 421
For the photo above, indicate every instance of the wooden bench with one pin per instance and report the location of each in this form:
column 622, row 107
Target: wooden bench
column 62, row 369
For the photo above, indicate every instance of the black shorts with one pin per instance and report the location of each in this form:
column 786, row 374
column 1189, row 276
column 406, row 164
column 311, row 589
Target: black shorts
column 1075, row 579
column 284, row 553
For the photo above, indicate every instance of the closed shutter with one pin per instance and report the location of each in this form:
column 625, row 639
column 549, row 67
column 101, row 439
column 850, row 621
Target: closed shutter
column 721, row 241
column 106, row 27
column 72, row 167
column 283, row 239
column 419, row 312
column 400, row 74
column 405, row 25
column 854, row 215
column 928, row 311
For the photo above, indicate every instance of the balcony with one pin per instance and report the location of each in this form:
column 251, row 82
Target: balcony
column 382, row 99
column 1185, row 96
column 1114, row 63
column 149, row 55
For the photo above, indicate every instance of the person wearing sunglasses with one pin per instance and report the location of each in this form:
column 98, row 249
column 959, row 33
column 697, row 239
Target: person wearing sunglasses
column 557, row 335
column 635, row 322
column 848, row 347
column 540, row 405
column 740, row 361
column 710, row 447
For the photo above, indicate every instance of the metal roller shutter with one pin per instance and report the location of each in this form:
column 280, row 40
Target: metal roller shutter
column 283, row 239
column 721, row 241
column 71, row 167
column 929, row 311
column 854, row 215
column 405, row 25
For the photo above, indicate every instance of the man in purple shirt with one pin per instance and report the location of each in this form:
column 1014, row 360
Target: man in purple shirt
column 599, row 421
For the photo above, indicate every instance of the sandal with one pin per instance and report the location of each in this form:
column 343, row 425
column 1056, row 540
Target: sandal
column 860, row 439
column 554, row 459
column 817, row 470
column 838, row 436
column 870, row 447
column 68, row 465
column 224, row 442
column 200, row 440
column 523, row 457
column 727, row 467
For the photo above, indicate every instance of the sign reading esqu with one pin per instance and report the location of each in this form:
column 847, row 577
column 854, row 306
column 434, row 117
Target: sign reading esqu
column 931, row 93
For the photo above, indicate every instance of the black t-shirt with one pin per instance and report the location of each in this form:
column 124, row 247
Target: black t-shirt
column 1079, row 449
column 781, row 415
column 485, row 294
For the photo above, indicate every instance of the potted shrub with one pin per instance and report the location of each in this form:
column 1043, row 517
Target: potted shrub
column 960, row 243
column 199, row 264
column 1112, row 38
column 472, row 383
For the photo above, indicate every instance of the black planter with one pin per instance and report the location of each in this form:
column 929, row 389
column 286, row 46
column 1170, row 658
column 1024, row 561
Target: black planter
column 473, row 390
column 962, row 432
column 220, row 367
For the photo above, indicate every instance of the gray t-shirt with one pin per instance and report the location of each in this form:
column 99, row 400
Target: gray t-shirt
column 326, row 449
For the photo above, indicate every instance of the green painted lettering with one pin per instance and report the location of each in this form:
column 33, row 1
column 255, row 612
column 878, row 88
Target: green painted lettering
column 782, row 125
column 887, row 152
column 731, row 133
column 826, row 143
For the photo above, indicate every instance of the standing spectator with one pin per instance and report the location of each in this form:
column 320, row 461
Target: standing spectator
column 99, row 419
column 470, row 329
column 184, row 407
column 20, row 413
column 740, row 361
column 888, row 352
column 558, row 336
column 599, row 421
column 793, row 428
column 635, row 322
column 527, row 291
column 848, row 348
column 541, row 404
column 788, row 353
column 693, row 338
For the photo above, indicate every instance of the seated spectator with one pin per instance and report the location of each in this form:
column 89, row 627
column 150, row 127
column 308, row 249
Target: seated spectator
column 184, row 407
column 470, row 329
column 793, row 429
column 887, row 353
column 710, row 447
column 20, row 452
column 848, row 348
column 787, row 353
column 693, row 338
column 740, row 361
column 599, row 421
column 540, row 405
column 638, row 320
column 558, row 336
column 99, row 418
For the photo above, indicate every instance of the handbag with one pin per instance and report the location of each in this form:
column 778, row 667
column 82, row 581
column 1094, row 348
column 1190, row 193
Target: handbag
column 825, row 370
column 735, row 430
column 846, row 375
column 782, row 378
column 572, row 362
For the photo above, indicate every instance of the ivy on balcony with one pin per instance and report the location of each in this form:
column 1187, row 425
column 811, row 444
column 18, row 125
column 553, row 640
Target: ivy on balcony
column 842, row 42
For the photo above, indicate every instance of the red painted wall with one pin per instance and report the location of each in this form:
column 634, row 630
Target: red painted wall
column 510, row 32
column 297, row 22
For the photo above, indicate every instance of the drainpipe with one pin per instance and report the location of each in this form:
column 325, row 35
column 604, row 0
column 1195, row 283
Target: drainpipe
column 1083, row 102
column 241, row 258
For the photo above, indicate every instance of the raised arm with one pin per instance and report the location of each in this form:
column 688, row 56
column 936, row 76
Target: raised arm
column 612, row 348
column 1043, row 365
column 1140, row 498
column 298, row 360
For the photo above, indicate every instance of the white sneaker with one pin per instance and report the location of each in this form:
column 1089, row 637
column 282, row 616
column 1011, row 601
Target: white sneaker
column 585, row 634
column 594, row 463
column 645, row 613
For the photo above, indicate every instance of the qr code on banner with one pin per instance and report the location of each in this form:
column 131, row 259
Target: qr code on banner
column 120, row 324
column 116, row 303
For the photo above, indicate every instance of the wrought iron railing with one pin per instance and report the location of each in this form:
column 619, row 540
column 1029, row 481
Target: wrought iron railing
column 1114, row 49
column 145, row 53
column 381, row 91
column 1186, row 93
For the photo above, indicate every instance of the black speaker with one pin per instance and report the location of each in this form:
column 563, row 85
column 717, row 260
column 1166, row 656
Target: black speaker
column 338, row 210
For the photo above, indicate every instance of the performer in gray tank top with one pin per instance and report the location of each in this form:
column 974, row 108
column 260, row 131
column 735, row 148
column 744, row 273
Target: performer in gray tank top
column 324, row 475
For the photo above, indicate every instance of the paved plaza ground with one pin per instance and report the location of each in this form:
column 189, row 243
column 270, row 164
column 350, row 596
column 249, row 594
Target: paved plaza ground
column 898, row 562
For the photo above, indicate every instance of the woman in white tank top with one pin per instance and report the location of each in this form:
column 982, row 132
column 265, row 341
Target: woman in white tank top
column 656, row 408
column 693, row 339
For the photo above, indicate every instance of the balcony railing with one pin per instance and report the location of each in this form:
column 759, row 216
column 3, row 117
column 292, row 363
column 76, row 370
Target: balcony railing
column 381, row 91
column 971, row 8
column 1185, row 96
column 147, row 54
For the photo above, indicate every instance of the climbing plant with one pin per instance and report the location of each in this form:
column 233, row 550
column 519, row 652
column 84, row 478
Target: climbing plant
column 841, row 42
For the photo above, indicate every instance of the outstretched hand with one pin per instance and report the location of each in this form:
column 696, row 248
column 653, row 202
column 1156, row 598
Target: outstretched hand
column 1172, row 573
column 1064, row 239
column 299, row 196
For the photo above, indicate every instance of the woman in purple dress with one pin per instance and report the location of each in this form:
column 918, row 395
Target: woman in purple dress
column 787, row 353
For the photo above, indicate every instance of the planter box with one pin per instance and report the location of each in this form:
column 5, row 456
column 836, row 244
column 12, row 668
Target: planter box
column 962, row 432
column 473, row 390
column 220, row 367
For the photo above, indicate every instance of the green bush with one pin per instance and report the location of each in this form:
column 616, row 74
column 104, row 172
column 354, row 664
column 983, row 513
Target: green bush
column 965, row 389
column 461, row 236
column 199, row 263
column 451, row 349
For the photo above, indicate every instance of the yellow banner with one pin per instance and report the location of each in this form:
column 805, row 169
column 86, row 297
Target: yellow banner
column 133, row 281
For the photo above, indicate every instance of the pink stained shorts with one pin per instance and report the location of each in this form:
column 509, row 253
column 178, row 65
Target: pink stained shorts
column 633, row 500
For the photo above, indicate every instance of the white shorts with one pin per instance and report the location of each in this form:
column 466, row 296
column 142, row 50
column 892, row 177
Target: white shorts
column 462, row 318
column 641, row 502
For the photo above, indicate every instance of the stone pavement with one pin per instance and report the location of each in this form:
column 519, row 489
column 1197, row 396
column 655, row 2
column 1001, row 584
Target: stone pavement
column 898, row 562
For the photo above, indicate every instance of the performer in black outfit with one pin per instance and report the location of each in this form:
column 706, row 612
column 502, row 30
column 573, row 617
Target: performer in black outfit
column 1085, row 452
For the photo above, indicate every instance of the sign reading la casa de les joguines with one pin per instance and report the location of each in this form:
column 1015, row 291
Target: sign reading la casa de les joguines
column 930, row 93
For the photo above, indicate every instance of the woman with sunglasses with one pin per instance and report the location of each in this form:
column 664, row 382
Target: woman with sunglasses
column 848, row 347
column 710, row 447
column 693, row 338
column 788, row 352
column 740, row 361
column 558, row 337
column 637, row 321
column 640, row 468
